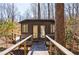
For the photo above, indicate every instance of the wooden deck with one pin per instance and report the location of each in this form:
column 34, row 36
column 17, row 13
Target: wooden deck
column 38, row 48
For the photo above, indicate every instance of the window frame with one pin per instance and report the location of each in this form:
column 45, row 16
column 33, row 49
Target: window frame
column 51, row 28
column 25, row 28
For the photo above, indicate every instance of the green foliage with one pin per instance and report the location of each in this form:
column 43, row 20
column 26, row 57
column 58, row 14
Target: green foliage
column 69, row 36
column 6, row 27
column 69, row 30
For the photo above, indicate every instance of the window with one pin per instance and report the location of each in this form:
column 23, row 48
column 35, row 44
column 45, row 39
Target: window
column 35, row 31
column 25, row 28
column 51, row 28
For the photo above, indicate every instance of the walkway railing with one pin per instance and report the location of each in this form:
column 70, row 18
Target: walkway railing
column 63, row 49
column 14, row 46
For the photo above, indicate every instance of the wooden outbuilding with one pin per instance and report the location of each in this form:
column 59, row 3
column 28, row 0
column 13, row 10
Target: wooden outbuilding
column 37, row 27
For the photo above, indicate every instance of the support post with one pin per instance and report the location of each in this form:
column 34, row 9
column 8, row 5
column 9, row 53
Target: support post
column 32, row 39
column 25, row 48
column 55, row 51
column 50, row 48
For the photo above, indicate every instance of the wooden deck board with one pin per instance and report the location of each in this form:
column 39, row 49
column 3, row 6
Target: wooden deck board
column 38, row 48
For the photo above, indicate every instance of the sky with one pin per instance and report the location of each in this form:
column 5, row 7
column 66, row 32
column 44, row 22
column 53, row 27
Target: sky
column 22, row 7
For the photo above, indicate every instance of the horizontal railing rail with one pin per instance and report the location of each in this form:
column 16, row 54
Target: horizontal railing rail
column 63, row 49
column 14, row 46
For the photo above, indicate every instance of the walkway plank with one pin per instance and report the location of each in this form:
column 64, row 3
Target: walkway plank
column 38, row 48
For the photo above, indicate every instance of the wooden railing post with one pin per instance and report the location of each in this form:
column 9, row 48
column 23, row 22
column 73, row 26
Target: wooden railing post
column 50, row 48
column 32, row 39
column 25, row 48
column 55, row 51
column 20, row 45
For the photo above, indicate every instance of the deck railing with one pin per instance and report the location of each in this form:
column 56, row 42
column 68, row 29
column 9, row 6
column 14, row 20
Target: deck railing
column 14, row 46
column 63, row 49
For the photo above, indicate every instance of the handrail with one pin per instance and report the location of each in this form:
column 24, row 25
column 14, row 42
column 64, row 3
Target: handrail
column 14, row 46
column 63, row 49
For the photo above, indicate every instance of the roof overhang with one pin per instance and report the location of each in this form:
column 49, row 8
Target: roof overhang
column 33, row 20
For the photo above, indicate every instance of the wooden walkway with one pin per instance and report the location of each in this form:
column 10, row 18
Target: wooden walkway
column 38, row 48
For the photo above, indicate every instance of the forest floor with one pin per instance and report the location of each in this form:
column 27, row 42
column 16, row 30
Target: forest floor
column 3, row 44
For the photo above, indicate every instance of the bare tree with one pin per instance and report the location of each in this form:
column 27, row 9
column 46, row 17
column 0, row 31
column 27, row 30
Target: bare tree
column 2, row 11
column 73, row 12
column 48, row 11
column 44, row 10
column 10, row 10
column 76, row 6
column 7, row 10
column 27, row 14
column 39, row 14
column 52, row 15
column 41, row 10
column 60, row 30
column 34, row 8
column 68, row 9
column 13, row 13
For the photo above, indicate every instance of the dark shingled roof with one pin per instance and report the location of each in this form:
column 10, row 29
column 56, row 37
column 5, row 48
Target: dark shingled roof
column 48, row 20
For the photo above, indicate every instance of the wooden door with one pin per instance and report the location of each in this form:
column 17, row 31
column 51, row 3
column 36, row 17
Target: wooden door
column 35, row 31
column 42, row 31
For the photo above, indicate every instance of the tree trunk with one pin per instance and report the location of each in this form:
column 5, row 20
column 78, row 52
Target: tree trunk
column 60, row 30
column 39, row 14
column 48, row 11
column 59, row 22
